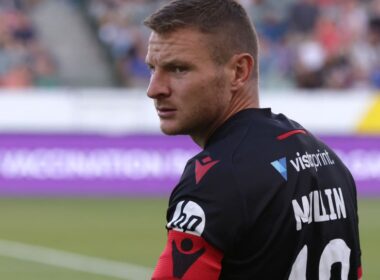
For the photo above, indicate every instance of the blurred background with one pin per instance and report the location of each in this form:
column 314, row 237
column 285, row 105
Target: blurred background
column 85, row 173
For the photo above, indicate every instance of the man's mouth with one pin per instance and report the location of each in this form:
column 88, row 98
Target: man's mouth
column 165, row 112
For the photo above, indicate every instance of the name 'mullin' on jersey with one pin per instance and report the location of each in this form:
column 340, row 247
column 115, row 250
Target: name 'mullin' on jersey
column 313, row 208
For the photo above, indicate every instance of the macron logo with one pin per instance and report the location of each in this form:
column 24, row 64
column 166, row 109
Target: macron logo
column 280, row 166
column 202, row 167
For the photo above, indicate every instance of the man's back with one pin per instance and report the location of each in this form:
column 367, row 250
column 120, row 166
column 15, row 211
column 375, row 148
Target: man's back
column 272, row 199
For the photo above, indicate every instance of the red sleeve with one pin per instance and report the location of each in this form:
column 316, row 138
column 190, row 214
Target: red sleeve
column 187, row 256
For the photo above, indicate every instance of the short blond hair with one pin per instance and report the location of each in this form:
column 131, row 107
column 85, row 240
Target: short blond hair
column 230, row 29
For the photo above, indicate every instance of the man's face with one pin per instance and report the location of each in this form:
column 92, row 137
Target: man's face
column 189, row 89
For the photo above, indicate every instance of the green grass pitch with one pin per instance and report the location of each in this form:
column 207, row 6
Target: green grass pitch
column 124, row 230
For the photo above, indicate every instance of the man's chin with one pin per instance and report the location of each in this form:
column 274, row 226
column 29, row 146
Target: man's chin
column 171, row 130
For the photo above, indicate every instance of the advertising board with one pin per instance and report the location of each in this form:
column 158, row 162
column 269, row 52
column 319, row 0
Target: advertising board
column 134, row 165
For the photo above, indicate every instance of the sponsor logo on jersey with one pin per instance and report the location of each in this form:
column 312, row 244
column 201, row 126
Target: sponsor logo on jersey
column 303, row 162
column 280, row 166
column 313, row 207
column 315, row 160
column 188, row 217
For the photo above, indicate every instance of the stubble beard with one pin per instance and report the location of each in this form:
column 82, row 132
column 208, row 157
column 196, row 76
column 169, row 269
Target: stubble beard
column 203, row 116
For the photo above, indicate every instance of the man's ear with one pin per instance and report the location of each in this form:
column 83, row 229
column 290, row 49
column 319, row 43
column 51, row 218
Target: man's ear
column 241, row 67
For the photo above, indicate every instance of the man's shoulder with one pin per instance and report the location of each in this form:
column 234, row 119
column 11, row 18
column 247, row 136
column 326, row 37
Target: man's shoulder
column 208, row 168
column 251, row 151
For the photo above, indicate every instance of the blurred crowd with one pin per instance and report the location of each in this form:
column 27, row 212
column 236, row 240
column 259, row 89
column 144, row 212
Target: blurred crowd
column 24, row 62
column 332, row 44
column 120, row 28
column 319, row 43
column 304, row 43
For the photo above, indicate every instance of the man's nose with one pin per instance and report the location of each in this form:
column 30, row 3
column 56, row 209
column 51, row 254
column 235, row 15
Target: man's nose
column 158, row 85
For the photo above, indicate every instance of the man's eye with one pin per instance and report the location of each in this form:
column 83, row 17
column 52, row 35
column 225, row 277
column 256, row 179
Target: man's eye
column 179, row 69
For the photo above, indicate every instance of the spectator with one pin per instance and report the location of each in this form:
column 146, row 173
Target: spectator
column 365, row 56
column 303, row 16
column 119, row 25
column 317, row 43
column 309, row 63
column 23, row 61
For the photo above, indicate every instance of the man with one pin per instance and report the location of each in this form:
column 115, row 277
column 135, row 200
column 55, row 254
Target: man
column 264, row 199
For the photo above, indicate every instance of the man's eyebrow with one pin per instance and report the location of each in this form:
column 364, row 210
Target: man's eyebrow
column 169, row 63
column 175, row 62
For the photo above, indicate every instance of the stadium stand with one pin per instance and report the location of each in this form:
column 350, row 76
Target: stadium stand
column 65, row 30
column 311, row 44
column 119, row 25
column 304, row 43
column 24, row 61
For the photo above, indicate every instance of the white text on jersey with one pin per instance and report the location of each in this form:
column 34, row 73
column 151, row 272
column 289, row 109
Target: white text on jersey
column 311, row 160
column 313, row 207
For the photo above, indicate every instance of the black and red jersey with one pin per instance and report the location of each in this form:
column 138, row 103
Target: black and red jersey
column 265, row 199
